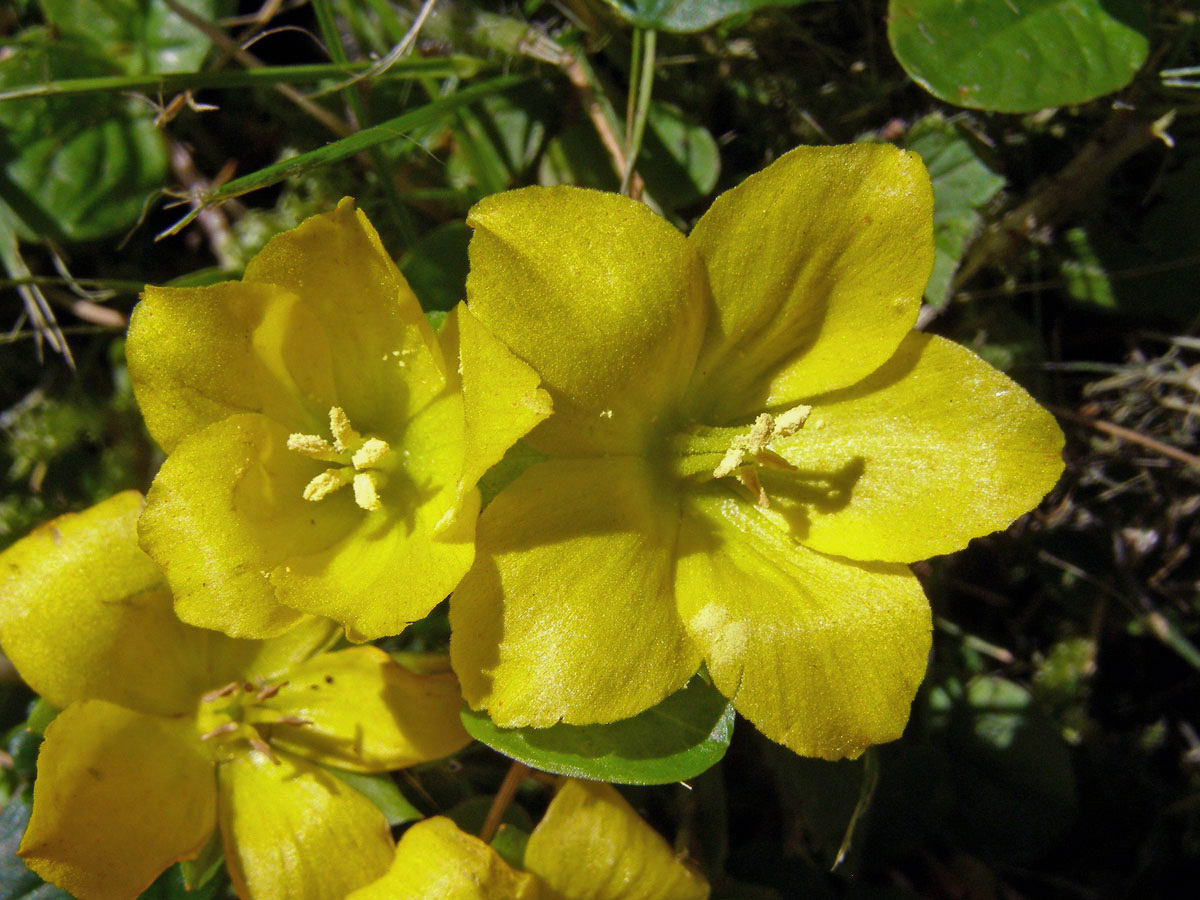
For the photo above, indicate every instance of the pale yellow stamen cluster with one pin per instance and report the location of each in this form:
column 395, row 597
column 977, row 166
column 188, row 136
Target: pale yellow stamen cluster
column 362, row 456
column 750, row 448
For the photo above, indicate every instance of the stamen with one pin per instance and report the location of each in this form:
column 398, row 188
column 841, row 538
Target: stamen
column 269, row 691
column 220, row 692
column 227, row 728
column 371, row 452
column 366, row 493
column 326, row 483
column 264, row 748
column 313, row 446
column 294, row 721
column 343, row 435
column 789, row 422
column 765, row 429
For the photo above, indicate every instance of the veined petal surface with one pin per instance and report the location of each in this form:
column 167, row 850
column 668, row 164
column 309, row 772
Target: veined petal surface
column 393, row 565
column 604, row 299
column 591, row 845
column 386, row 361
column 119, row 796
column 817, row 265
column 365, row 712
column 823, row 655
column 295, row 832
column 197, row 355
column 931, row 450
column 567, row 613
column 85, row 614
column 226, row 508
column 436, row 861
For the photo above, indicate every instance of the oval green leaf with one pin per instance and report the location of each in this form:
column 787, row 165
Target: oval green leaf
column 673, row 741
column 687, row 15
column 1016, row 55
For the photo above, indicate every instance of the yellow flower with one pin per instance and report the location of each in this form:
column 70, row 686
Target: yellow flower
column 169, row 731
column 590, row 845
column 749, row 443
column 315, row 438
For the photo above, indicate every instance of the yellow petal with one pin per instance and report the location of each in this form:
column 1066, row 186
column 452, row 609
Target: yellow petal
column 270, row 660
column 197, row 355
column 295, row 832
column 591, row 845
column 365, row 713
column 119, row 797
column 603, row 298
column 501, row 397
column 224, row 511
column 933, row 449
column 436, row 861
column 84, row 614
column 817, row 265
column 822, row 655
column 386, row 361
column 567, row 613
column 395, row 565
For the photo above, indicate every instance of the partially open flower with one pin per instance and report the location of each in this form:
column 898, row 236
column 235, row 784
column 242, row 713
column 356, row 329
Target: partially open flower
column 168, row 731
column 315, row 438
column 590, row 845
column 749, row 443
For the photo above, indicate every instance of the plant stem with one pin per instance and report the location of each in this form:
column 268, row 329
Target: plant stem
column 642, row 109
column 504, row 797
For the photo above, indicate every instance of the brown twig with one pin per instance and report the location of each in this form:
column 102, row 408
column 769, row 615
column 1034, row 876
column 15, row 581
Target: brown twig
column 248, row 59
column 1128, row 434
column 504, row 797
column 578, row 77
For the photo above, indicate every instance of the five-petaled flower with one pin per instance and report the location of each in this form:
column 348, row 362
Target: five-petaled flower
column 590, row 845
column 317, row 452
column 168, row 731
column 749, row 444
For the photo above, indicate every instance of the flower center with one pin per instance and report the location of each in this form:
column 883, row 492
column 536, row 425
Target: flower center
column 358, row 457
column 234, row 717
column 703, row 452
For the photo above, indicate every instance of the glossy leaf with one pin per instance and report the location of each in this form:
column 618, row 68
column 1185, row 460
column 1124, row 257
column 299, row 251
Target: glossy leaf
column 17, row 882
column 962, row 185
column 1015, row 57
column 687, row 15
column 142, row 35
column 673, row 741
column 73, row 169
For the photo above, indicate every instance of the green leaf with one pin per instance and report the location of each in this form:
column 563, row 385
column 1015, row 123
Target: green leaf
column 436, row 266
column 16, row 881
column 471, row 814
column 1084, row 275
column 510, row 842
column 381, row 790
column 687, row 15
column 1016, row 55
column 673, row 741
column 72, row 168
column 140, row 35
column 1012, row 773
column 962, row 185
column 680, row 160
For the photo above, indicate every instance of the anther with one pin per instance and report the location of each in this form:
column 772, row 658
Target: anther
column 220, row 692
column 264, row 748
column 269, row 691
column 227, row 728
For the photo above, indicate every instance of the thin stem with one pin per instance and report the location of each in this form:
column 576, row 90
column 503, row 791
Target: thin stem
column 635, row 62
column 333, row 43
column 504, row 797
column 645, row 87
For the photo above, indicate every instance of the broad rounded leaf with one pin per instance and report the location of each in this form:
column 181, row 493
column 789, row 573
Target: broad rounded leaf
column 673, row 741
column 687, row 15
column 1013, row 56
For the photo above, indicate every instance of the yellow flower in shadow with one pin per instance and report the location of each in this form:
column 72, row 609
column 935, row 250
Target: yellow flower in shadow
column 168, row 732
column 590, row 845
